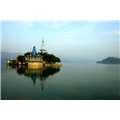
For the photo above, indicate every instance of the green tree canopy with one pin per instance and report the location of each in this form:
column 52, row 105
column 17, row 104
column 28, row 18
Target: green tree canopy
column 27, row 53
column 21, row 58
column 50, row 58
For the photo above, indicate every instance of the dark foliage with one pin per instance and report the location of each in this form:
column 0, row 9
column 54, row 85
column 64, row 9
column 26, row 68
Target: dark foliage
column 50, row 58
column 21, row 58
column 27, row 53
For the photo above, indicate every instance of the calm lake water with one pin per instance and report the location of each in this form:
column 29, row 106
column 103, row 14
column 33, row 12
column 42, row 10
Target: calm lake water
column 72, row 81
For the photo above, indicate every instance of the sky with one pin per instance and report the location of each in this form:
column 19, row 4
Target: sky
column 91, row 40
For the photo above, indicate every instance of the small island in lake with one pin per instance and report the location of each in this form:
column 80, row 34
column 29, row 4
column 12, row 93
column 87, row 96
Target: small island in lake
column 110, row 60
column 35, row 58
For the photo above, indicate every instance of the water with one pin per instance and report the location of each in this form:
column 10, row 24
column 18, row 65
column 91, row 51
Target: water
column 72, row 81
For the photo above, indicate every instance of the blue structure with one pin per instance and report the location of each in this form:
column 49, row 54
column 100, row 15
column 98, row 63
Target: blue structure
column 34, row 51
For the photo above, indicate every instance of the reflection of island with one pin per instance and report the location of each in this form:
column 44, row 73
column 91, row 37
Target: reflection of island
column 110, row 60
column 40, row 73
column 11, row 67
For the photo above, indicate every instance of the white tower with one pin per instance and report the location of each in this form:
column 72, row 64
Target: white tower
column 43, row 50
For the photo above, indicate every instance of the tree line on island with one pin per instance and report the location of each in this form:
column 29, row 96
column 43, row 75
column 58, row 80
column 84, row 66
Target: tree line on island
column 49, row 58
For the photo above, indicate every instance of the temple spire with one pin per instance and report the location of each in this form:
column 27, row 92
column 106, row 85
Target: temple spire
column 43, row 47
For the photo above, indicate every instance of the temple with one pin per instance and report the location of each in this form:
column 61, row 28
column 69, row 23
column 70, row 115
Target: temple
column 43, row 50
column 34, row 58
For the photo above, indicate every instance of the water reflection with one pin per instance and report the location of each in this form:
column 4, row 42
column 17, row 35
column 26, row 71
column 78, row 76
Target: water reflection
column 11, row 67
column 41, row 73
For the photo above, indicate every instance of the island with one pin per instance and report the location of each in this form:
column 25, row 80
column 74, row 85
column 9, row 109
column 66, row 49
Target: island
column 35, row 58
column 110, row 60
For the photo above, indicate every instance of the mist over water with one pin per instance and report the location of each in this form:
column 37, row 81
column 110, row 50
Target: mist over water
column 72, row 81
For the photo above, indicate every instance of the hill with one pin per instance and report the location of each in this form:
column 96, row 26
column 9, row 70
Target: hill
column 110, row 60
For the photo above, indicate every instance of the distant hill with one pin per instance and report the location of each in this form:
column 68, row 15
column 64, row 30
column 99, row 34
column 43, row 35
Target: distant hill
column 110, row 60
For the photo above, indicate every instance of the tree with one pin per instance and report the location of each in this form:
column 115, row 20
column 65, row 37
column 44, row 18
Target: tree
column 27, row 53
column 58, row 59
column 50, row 58
column 21, row 58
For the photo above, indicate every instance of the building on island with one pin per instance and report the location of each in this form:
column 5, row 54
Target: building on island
column 11, row 62
column 34, row 58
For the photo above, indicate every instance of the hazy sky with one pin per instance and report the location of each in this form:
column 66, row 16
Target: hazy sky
column 93, row 40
